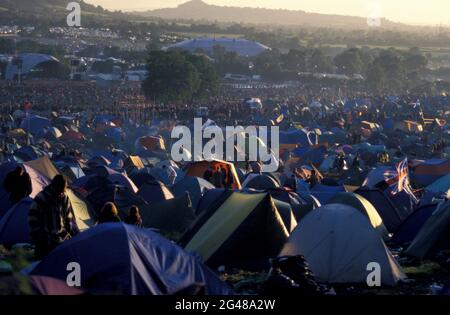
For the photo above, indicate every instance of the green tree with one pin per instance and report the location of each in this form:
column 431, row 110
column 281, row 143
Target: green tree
column 349, row 61
column 209, row 80
column 171, row 77
column 375, row 78
column 319, row 62
column 294, row 60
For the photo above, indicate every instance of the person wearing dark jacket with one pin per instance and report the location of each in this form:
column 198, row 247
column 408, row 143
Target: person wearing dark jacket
column 109, row 214
column 134, row 217
column 51, row 218
column 18, row 184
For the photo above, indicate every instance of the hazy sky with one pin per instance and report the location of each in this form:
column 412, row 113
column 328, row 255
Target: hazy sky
column 431, row 12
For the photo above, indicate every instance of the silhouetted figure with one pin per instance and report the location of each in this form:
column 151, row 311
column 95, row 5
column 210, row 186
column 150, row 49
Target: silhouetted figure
column 18, row 184
column 51, row 218
column 134, row 218
column 108, row 214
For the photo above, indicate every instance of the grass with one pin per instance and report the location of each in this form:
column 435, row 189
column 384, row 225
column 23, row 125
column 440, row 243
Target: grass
column 15, row 283
column 245, row 282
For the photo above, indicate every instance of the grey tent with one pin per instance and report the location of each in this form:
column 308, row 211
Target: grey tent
column 339, row 243
column 365, row 207
column 195, row 186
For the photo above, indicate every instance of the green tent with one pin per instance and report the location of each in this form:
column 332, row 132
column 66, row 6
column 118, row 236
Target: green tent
column 434, row 235
column 170, row 216
column 244, row 231
column 84, row 213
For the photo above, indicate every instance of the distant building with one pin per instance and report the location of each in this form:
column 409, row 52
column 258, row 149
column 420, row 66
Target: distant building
column 243, row 47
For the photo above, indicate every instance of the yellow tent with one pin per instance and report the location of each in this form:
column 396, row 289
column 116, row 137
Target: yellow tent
column 44, row 166
column 82, row 210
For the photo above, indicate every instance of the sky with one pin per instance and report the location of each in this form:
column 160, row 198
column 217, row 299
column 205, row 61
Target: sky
column 423, row 12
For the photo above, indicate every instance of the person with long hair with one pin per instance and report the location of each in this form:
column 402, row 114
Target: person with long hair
column 134, row 217
column 109, row 213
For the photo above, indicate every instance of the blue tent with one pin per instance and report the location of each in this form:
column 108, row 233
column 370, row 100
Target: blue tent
column 350, row 105
column 104, row 119
column 155, row 192
column 38, row 182
column 323, row 193
column 195, row 186
column 404, row 201
column 14, row 227
column 101, row 170
column 123, row 180
column 442, row 185
column 314, row 155
column 408, row 230
column 29, row 153
column 389, row 124
column 141, row 177
column 35, row 124
column 391, row 215
column 213, row 198
column 114, row 133
column 302, row 137
column 122, row 259
column 113, row 156
column 91, row 182
column 123, row 197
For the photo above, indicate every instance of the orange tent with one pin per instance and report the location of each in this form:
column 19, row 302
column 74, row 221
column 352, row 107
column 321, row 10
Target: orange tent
column 198, row 169
column 152, row 143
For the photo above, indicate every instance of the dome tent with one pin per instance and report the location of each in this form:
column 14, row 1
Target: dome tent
column 391, row 215
column 14, row 228
column 433, row 235
column 338, row 242
column 195, row 186
column 409, row 228
column 242, row 47
column 248, row 224
column 365, row 207
column 155, row 192
column 124, row 259
column 260, row 182
column 35, row 64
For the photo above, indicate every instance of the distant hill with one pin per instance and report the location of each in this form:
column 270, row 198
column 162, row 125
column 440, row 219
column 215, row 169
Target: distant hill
column 16, row 11
column 43, row 6
column 199, row 10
